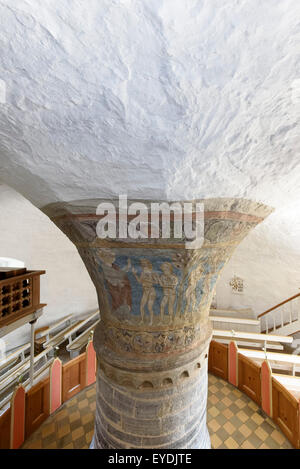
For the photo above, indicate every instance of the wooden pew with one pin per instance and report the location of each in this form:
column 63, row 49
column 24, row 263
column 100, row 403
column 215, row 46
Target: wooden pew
column 43, row 334
column 13, row 357
column 38, row 375
column 76, row 345
column 278, row 361
column 291, row 383
column 70, row 332
column 285, row 407
column 12, row 376
column 252, row 337
column 247, row 344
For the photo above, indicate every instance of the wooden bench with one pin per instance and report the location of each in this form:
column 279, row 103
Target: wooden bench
column 70, row 333
column 247, row 344
column 13, row 357
column 12, row 376
column 43, row 334
column 76, row 345
column 279, row 361
column 291, row 383
column 252, row 337
column 38, row 375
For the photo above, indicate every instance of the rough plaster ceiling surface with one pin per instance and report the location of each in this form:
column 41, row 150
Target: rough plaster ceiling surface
column 175, row 99
column 168, row 99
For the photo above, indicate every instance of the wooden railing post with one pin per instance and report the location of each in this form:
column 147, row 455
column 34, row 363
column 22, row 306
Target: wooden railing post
column 233, row 363
column 17, row 427
column 266, row 388
column 55, row 385
column 90, row 363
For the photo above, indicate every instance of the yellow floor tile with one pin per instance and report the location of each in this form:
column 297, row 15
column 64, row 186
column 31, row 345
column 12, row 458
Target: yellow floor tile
column 93, row 406
column 63, row 430
column 52, row 445
column 83, row 403
column 277, row 436
column 242, row 416
column 69, row 446
column 227, row 413
column 213, row 389
column 247, row 445
column 215, row 441
column 245, row 430
column 214, row 426
column 229, row 428
column 90, row 392
column 213, row 399
column 227, row 401
column 87, row 418
column 241, row 404
column 253, row 406
column 213, row 411
column 48, row 429
column 74, row 416
column 262, row 434
column 77, row 433
column 257, row 419
column 89, row 436
column 230, row 443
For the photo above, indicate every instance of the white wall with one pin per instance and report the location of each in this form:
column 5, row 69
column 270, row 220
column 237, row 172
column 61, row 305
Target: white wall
column 28, row 235
column 268, row 261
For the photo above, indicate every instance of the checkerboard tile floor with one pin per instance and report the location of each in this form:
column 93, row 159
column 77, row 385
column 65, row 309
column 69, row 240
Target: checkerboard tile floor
column 234, row 421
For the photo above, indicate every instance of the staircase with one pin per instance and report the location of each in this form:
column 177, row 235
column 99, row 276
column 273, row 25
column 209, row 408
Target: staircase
column 283, row 319
column 240, row 325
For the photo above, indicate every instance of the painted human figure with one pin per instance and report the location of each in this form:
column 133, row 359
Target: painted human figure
column 190, row 293
column 117, row 281
column 147, row 279
column 168, row 281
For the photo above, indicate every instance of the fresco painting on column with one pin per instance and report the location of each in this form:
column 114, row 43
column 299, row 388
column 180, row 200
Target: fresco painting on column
column 154, row 333
column 139, row 290
column 146, row 290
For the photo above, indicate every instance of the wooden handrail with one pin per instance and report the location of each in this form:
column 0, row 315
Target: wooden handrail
column 277, row 306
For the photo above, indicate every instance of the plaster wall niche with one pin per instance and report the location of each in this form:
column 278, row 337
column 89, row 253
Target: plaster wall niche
column 153, row 338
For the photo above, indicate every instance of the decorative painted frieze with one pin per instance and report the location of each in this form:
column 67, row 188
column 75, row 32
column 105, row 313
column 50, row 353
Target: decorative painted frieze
column 154, row 299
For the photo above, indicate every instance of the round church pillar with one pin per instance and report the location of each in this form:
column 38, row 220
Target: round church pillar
column 153, row 338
